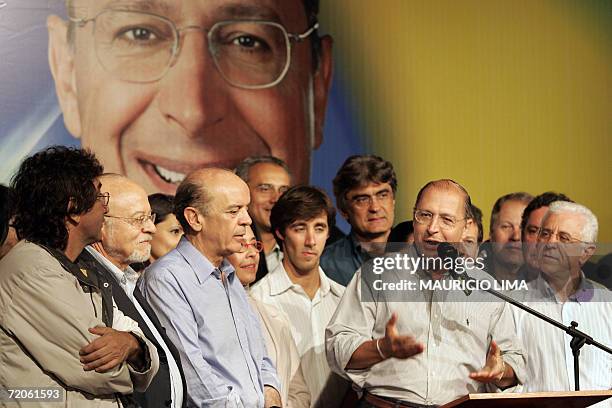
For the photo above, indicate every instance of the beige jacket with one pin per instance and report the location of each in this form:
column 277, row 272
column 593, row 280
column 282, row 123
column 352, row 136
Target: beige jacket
column 44, row 321
column 283, row 353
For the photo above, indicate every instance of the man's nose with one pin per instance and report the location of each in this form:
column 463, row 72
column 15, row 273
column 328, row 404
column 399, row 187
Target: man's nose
column 245, row 218
column 373, row 204
column 149, row 227
column 434, row 225
column 516, row 233
column 309, row 239
column 192, row 93
column 275, row 195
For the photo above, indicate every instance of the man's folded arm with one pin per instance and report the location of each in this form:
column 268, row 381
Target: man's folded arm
column 47, row 317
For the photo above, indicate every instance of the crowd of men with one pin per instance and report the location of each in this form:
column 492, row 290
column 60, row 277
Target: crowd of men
column 238, row 290
column 87, row 308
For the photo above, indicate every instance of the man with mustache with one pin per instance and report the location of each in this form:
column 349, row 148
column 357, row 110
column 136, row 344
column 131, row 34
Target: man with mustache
column 126, row 239
column 201, row 302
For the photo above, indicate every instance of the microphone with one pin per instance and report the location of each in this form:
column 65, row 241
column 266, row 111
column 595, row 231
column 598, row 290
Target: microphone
column 448, row 251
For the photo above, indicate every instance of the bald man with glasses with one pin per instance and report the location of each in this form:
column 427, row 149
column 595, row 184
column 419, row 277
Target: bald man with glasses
column 126, row 239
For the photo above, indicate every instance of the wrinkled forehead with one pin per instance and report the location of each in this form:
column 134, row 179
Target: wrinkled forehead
column 569, row 222
column 129, row 202
column 290, row 13
column 443, row 200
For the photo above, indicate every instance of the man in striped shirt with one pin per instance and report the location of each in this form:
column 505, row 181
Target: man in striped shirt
column 567, row 239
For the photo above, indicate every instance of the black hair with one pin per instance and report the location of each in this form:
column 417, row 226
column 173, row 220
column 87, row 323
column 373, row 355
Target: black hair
column 162, row 205
column 48, row 187
column 542, row 200
column 301, row 203
column 5, row 212
column 357, row 171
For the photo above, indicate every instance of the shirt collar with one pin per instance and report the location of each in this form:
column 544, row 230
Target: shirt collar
column 280, row 282
column 584, row 293
column 121, row 276
column 202, row 267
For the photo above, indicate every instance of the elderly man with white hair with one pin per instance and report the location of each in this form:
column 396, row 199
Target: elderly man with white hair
column 567, row 239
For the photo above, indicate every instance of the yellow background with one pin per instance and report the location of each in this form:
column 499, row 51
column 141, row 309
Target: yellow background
column 501, row 96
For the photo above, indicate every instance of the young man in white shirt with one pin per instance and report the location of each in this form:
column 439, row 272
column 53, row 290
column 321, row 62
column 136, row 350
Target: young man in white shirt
column 301, row 220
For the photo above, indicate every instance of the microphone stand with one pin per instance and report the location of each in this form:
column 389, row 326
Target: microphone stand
column 579, row 338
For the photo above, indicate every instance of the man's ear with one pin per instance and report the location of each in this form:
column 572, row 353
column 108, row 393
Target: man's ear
column 278, row 234
column 61, row 63
column 322, row 83
column 468, row 223
column 193, row 217
column 587, row 253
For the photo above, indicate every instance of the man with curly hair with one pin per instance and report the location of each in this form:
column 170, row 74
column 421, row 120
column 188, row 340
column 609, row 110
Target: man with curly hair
column 60, row 327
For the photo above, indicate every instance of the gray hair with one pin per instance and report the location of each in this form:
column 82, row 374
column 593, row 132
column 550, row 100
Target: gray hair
column 589, row 231
column 243, row 168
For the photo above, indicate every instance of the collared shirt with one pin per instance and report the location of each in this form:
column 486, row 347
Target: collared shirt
column 456, row 335
column 128, row 283
column 550, row 363
column 207, row 315
column 308, row 318
column 341, row 259
column 274, row 258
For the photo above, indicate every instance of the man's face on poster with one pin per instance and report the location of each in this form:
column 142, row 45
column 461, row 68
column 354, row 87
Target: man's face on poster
column 188, row 116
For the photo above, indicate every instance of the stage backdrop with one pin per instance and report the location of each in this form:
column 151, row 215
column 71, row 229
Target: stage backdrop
column 501, row 96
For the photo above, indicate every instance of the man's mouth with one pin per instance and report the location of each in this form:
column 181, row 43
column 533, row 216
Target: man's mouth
column 431, row 243
column 249, row 266
column 550, row 256
column 166, row 174
column 169, row 176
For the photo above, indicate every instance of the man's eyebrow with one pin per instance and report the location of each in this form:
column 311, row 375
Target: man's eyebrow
column 158, row 6
column 248, row 11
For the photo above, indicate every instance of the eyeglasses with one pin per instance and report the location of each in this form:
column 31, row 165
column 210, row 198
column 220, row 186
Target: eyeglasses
column 104, row 198
column 136, row 221
column 140, row 47
column 269, row 189
column 563, row 237
column 364, row 200
column 256, row 245
column 445, row 222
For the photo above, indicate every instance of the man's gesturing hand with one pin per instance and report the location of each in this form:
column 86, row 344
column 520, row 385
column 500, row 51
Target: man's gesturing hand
column 394, row 345
column 109, row 350
column 494, row 368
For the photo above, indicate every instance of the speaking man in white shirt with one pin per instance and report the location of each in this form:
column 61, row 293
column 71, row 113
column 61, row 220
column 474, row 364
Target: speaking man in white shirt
column 301, row 221
column 421, row 348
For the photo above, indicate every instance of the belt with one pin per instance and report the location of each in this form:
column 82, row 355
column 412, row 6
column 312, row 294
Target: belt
column 385, row 402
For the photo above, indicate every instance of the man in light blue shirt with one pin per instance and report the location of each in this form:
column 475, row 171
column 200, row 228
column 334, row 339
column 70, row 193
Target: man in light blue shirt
column 201, row 302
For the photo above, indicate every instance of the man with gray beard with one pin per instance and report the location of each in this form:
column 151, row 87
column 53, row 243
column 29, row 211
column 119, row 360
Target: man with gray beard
column 126, row 239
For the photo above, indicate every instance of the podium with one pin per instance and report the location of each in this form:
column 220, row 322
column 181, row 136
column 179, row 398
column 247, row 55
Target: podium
column 556, row 399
